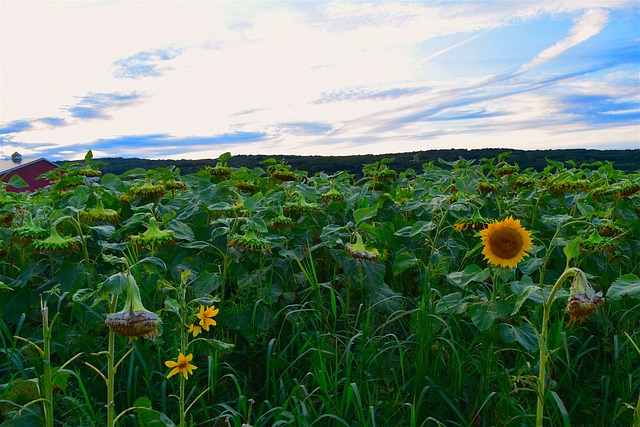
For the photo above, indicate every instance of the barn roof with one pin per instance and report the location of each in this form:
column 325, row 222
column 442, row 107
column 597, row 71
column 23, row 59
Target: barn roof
column 9, row 165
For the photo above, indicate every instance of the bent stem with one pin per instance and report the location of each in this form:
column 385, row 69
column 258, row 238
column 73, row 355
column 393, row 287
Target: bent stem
column 542, row 342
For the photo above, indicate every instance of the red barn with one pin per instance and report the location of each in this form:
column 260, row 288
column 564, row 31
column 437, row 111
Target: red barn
column 26, row 168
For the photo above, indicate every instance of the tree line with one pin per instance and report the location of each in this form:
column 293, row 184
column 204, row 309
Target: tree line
column 625, row 160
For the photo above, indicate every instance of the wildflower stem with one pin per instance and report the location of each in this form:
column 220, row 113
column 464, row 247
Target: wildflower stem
column 47, row 375
column 542, row 342
column 183, row 414
column 111, row 372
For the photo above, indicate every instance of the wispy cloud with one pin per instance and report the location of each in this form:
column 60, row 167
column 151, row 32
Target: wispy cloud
column 587, row 26
column 16, row 126
column 96, row 105
column 144, row 64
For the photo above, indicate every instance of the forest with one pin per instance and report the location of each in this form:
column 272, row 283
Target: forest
column 624, row 160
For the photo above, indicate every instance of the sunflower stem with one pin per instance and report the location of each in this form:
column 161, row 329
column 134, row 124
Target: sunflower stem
column 542, row 342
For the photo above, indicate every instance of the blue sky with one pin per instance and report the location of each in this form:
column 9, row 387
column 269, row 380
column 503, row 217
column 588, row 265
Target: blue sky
column 191, row 80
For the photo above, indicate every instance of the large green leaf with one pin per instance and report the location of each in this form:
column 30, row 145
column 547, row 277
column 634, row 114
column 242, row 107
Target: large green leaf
column 204, row 284
column 483, row 314
column 629, row 285
column 149, row 417
column 419, row 227
column 404, row 261
column 363, row 214
column 525, row 335
column 472, row 273
column 17, row 182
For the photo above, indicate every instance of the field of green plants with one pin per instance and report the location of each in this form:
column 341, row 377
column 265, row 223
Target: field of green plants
column 466, row 293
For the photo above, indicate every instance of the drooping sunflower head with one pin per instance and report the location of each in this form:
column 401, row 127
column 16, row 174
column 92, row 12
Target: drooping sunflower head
column 505, row 242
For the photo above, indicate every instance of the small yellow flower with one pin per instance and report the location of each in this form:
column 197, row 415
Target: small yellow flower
column 181, row 366
column 206, row 316
column 505, row 242
column 196, row 329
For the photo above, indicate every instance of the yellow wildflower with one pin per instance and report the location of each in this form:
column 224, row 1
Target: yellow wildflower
column 206, row 317
column 182, row 366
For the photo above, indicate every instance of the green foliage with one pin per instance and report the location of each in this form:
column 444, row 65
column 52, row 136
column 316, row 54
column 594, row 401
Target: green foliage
column 351, row 296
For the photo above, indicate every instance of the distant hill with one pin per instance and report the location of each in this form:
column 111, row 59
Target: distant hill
column 625, row 160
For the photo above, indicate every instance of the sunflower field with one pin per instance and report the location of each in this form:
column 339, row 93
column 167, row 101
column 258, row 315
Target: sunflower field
column 465, row 293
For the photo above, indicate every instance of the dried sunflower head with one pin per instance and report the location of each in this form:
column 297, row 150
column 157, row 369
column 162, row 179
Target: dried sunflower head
column 300, row 205
column 153, row 235
column 627, row 190
column 147, row 190
column 596, row 243
column 609, row 228
column 134, row 320
column 358, row 250
column 333, row 195
column 474, row 222
column 507, row 170
column 174, row 185
column 56, row 243
column 247, row 187
column 99, row 214
column 486, row 187
column 29, row 231
column 88, row 172
column 220, row 170
column 250, row 240
column 281, row 221
column 583, row 300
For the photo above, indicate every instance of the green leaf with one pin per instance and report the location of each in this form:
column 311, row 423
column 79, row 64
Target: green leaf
column 452, row 303
column 403, row 262
column 524, row 335
column 17, row 182
column 171, row 304
column 473, row 273
column 115, row 284
column 363, row 214
column 88, row 156
column 150, row 417
column 524, row 295
column 224, row 157
column 219, row 345
column 629, row 284
column 482, row 315
column 572, row 250
column 181, row 230
column 5, row 287
column 420, row 227
column 204, row 284
column 105, row 231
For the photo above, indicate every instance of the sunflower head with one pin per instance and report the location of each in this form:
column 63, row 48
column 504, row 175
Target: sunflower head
column 153, row 235
column 583, row 300
column 134, row 320
column 505, row 242
column 57, row 243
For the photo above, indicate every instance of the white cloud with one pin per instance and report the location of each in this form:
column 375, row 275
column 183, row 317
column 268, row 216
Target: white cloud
column 587, row 26
column 269, row 61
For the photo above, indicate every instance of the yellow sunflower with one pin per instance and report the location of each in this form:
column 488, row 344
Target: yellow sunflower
column 182, row 366
column 505, row 242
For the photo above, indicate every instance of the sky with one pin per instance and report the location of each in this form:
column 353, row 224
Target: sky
column 193, row 80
